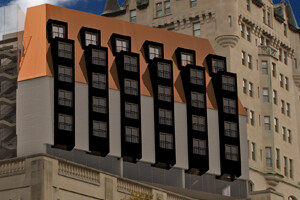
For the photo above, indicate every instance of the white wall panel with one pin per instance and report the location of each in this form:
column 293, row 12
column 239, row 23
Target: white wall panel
column 148, row 130
column 81, row 117
column 35, row 115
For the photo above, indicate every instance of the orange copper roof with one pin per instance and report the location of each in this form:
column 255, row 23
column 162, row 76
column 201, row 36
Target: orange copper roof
column 34, row 63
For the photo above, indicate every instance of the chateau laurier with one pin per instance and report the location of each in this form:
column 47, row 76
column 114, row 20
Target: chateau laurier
column 261, row 42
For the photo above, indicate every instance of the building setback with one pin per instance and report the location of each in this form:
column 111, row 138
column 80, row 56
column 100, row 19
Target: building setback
column 261, row 43
column 138, row 102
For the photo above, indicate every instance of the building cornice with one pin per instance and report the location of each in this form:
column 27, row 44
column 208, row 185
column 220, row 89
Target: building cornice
column 268, row 172
column 259, row 28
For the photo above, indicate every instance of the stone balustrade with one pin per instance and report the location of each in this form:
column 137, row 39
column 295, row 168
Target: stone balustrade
column 12, row 167
column 78, row 172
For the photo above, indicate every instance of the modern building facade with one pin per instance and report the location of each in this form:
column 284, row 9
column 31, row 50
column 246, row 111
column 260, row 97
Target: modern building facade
column 141, row 103
column 10, row 50
column 262, row 45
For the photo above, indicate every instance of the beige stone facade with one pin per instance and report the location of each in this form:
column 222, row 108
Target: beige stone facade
column 42, row 177
column 262, row 45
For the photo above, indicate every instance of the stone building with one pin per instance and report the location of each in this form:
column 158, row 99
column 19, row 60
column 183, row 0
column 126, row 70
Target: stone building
column 262, row 45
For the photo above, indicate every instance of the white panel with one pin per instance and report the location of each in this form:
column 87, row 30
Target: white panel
column 81, row 117
column 213, row 142
column 244, row 147
column 114, row 123
column 181, row 135
column 35, row 115
column 148, row 131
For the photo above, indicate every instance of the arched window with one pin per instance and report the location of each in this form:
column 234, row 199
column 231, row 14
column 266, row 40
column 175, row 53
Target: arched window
column 292, row 198
column 250, row 186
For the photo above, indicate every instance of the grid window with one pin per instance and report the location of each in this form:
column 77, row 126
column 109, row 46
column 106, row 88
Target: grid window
column 245, row 86
column 122, row 45
column 132, row 134
column 251, row 116
column 291, row 169
column 186, row 59
column 242, row 27
column 164, row 70
column 281, row 80
column 65, row 50
column 197, row 77
column 99, row 105
column 274, row 69
column 231, row 152
column 280, row 54
column 262, row 40
column 133, row 16
column 198, row 123
column 243, row 57
column 285, row 29
column 278, row 159
column 99, row 81
column 264, row 16
column 65, row 74
column 196, row 29
column 247, row 111
column 285, row 166
column 249, row 61
column 58, row 31
column 229, row 21
column 248, row 5
column 285, row 57
column 264, row 66
column 286, row 83
column 99, row 129
column 164, row 93
column 276, row 125
column 131, row 110
column 218, row 65
column 268, row 156
column 253, row 151
column 193, row 3
column 251, row 89
column 288, row 109
column 199, row 147
column 275, row 98
column 230, row 129
column 197, row 100
column 284, row 135
column 99, row 57
column 267, row 122
column 131, row 87
column 130, row 63
column 65, row 122
column 266, row 94
column 154, row 52
column 282, row 107
column 167, row 7
column 165, row 117
column 65, row 98
column 91, row 38
column 229, row 106
column 159, row 9
column 269, row 18
column 248, row 33
column 290, row 139
column 165, row 140
column 228, row 83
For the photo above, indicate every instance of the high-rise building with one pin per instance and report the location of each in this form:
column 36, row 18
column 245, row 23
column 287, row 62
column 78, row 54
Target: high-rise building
column 262, row 45
column 10, row 49
column 140, row 103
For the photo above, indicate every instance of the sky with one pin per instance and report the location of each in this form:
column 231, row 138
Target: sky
column 97, row 6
